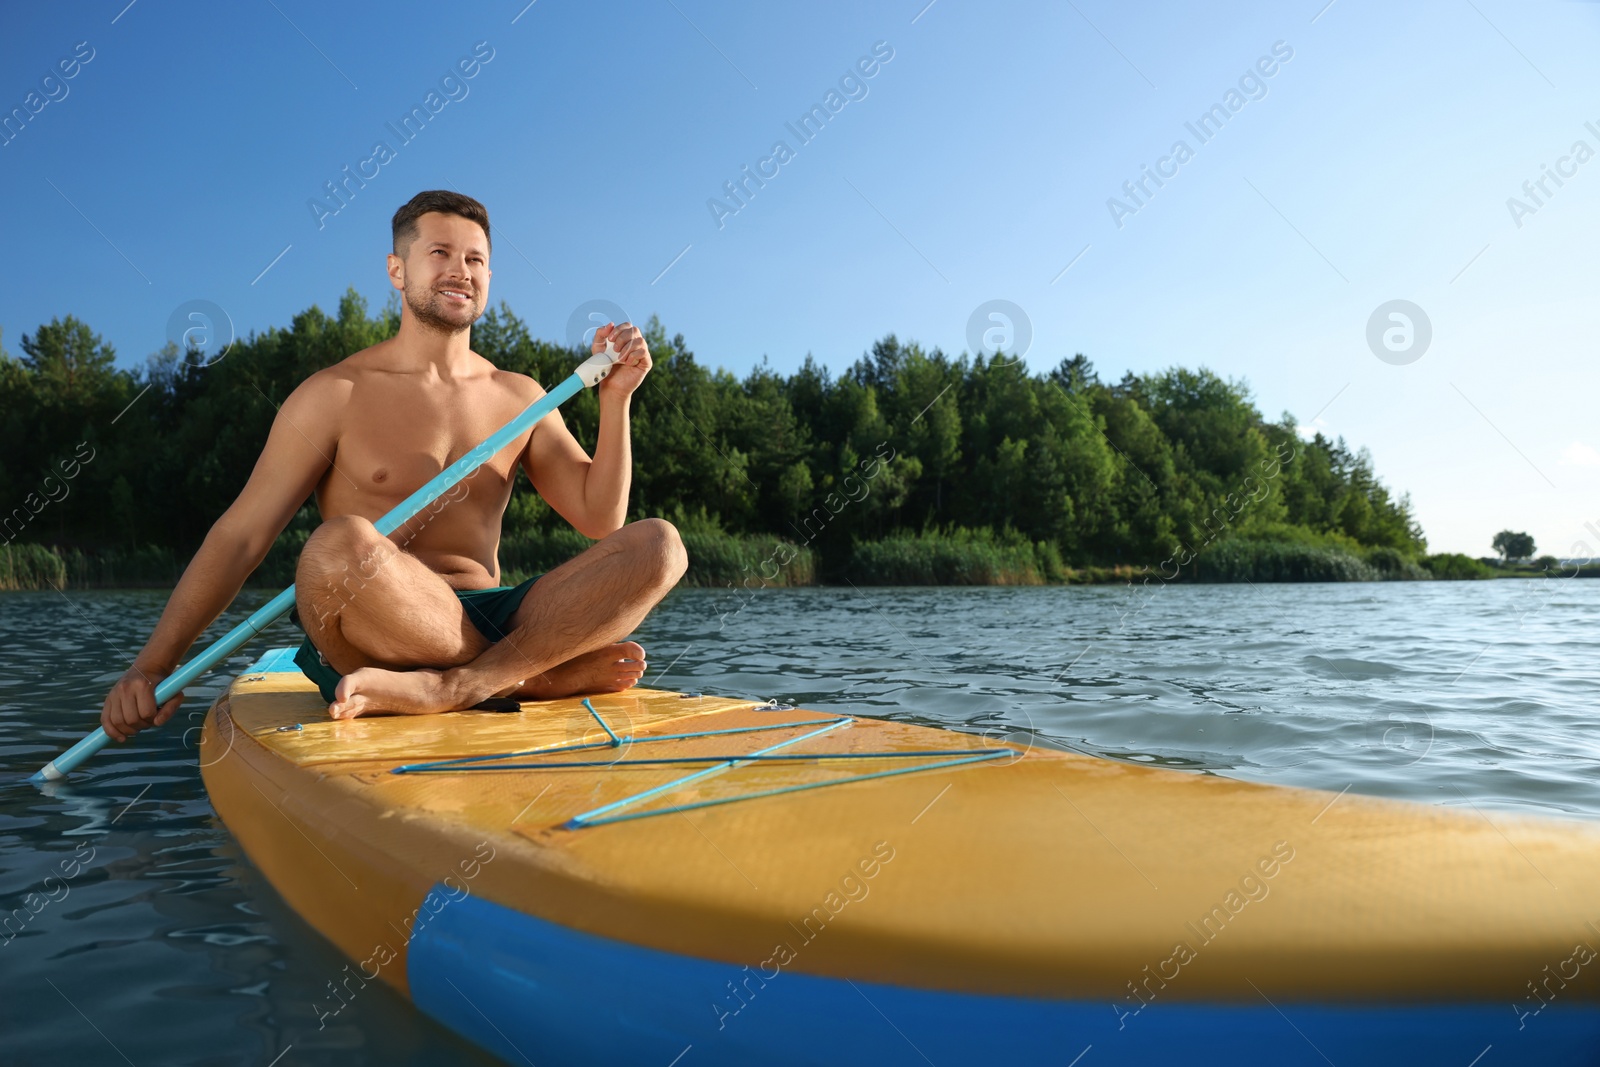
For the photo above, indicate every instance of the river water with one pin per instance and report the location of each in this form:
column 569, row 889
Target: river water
column 147, row 937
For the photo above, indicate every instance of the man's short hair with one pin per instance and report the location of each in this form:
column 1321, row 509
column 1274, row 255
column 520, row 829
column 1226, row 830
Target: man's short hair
column 443, row 201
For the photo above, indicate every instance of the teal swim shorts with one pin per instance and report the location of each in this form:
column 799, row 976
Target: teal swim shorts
column 489, row 609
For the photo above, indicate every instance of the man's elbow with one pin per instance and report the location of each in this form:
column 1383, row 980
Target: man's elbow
column 240, row 544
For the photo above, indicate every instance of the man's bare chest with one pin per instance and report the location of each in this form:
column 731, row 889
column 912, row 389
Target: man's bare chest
column 393, row 443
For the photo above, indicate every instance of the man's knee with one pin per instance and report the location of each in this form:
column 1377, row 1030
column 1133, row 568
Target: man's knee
column 340, row 544
column 660, row 543
column 339, row 558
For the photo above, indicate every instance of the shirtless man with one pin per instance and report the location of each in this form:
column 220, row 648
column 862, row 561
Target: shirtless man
column 412, row 622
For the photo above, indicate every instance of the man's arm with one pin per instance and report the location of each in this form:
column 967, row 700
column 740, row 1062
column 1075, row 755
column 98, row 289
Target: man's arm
column 592, row 494
column 299, row 450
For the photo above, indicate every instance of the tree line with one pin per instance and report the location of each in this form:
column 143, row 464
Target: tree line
column 905, row 442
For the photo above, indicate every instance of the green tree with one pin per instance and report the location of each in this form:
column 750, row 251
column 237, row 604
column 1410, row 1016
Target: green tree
column 1143, row 495
column 68, row 360
column 1513, row 546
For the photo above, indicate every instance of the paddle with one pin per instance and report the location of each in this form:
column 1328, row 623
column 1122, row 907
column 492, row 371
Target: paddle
column 588, row 374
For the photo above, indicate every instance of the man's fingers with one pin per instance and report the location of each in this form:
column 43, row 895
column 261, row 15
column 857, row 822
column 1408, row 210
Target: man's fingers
column 105, row 719
column 636, row 352
column 131, row 721
column 619, row 335
column 131, row 707
column 168, row 710
column 144, row 704
column 112, row 721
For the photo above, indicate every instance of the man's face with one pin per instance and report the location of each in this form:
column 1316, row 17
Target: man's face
column 445, row 274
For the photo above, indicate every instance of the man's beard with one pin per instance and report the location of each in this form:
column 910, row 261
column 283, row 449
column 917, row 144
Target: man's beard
column 433, row 313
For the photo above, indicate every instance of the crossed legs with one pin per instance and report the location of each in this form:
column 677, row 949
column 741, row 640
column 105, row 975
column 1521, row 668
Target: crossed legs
column 403, row 642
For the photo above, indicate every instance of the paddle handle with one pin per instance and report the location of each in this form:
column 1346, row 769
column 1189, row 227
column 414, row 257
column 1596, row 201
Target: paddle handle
column 170, row 686
column 588, row 373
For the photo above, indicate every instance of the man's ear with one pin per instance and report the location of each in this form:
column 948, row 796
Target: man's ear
column 397, row 271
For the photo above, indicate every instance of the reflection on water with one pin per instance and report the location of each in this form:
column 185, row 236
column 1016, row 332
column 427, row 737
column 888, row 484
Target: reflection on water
column 138, row 930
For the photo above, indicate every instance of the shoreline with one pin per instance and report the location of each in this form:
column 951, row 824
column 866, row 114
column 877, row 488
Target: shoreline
column 1075, row 581
column 744, row 564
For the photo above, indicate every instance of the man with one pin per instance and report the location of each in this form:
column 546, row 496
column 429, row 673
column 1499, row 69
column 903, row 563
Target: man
column 416, row 622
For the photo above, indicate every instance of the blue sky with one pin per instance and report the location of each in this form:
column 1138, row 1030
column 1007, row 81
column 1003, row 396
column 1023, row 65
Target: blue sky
column 1374, row 164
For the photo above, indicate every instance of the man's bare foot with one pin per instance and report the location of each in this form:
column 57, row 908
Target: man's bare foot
column 371, row 690
column 605, row 670
column 374, row 689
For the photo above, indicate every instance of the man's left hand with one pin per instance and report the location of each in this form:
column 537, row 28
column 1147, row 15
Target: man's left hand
column 633, row 358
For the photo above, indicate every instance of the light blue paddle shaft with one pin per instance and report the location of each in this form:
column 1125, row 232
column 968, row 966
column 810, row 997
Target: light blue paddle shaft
column 589, row 373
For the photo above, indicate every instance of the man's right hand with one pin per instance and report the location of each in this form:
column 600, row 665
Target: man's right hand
column 131, row 704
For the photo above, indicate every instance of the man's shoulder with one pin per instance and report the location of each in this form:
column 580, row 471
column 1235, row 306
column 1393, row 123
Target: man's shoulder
column 515, row 382
column 331, row 386
column 341, row 377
